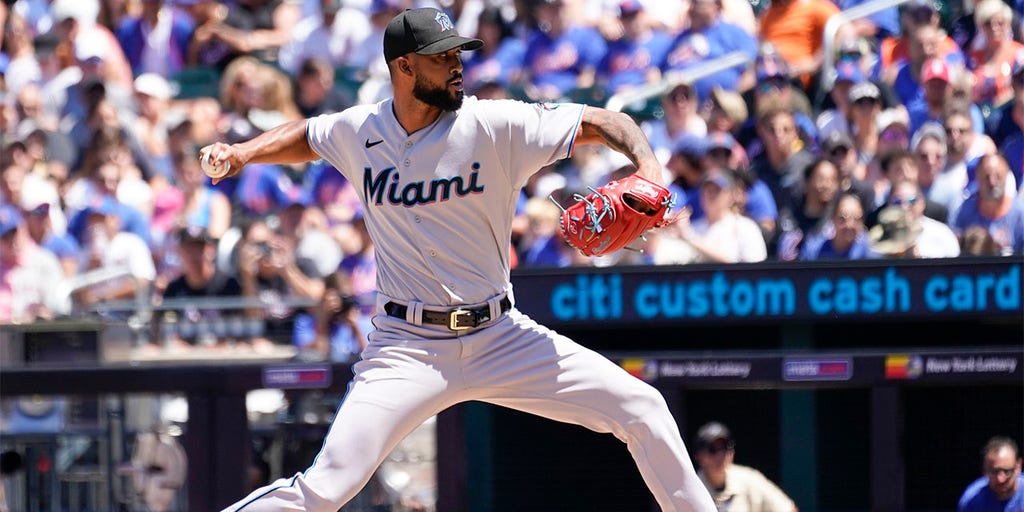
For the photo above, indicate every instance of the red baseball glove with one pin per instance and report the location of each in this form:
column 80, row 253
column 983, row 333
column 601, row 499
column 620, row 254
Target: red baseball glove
column 615, row 215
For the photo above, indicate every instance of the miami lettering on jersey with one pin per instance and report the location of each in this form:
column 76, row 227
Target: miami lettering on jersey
column 417, row 193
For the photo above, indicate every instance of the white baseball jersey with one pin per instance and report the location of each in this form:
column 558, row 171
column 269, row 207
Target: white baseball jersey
column 475, row 161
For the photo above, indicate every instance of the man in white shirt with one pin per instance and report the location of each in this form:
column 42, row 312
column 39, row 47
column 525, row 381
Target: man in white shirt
column 107, row 247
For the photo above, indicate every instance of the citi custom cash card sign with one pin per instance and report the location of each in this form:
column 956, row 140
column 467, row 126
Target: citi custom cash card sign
column 774, row 291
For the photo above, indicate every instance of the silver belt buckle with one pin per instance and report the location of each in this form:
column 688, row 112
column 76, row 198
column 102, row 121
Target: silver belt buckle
column 461, row 319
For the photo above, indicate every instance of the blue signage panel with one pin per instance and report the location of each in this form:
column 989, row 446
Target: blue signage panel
column 773, row 291
column 297, row 377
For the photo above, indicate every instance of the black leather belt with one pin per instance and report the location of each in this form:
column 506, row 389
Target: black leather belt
column 457, row 319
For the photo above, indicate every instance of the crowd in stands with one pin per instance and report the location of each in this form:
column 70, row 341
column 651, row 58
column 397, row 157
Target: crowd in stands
column 899, row 137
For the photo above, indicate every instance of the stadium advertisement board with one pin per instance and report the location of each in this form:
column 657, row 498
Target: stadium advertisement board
column 799, row 292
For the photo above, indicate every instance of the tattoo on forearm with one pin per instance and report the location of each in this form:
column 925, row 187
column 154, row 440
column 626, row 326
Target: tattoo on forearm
column 619, row 132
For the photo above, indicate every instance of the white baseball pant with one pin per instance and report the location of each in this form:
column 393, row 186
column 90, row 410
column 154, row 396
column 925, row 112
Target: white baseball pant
column 409, row 373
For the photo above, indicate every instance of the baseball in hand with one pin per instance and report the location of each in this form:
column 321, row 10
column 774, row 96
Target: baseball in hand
column 215, row 171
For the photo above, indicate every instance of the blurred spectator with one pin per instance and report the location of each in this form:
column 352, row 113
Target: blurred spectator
column 933, row 239
column 724, row 152
column 268, row 270
column 109, row 248
column 102, row 182
column 200, row 277
column 95, row 85
column 845, row 238
column 929, row 146
column 993, row 207
column 726, row 112
column 775, row 90
column 542, row 244
column 632, row 59
column 30, row 277
column 814, row 199
column 686, row 170
column 48, row 154
column 157, row 39
column 837, row 118
column 924, row 44
column 865, row 106
column 681, row 119
column 1001, row 488
column 796, row 29
column 964, row 146
column 500, row 60
column 992, row 53
column 784, row 157
column 721, row 236
column 360, row 266
column 316, row 37
column 335, row 329
column 999, row 123
column 862, row 53
column 914, row 14
column 734, row 486
column 708, row 38
column 189, row 202
column 838, row 148
column 153, row 95
column 315, row 92
column 75, row 21
column 110, row 146
column 39, row 228
column 23, row 68
column 901, row 165
column 561, row 55
column 245, row 27
column 754, row 200
column 1013, row 146
column 364, row 49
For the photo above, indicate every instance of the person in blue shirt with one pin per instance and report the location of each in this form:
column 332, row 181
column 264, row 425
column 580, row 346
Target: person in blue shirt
column 708, row 38
column 500, row 60
column 845, row 238
column 993, row 207
column 560, row 56
column 335, row 329
column 630, row 60
column 1000, row 489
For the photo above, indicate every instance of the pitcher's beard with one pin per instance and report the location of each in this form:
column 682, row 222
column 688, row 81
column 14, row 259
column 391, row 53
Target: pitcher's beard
column 437, row 97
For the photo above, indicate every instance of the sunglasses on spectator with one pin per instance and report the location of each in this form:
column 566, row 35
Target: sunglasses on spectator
column 719, row 153
column 904, row 201
column 866, row 102
column 951, row 130
column 839, row 151
column 718, row 447
column 997, row 472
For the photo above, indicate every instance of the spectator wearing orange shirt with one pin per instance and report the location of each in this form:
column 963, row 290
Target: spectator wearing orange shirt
column 915, row 14
column 796, row 28
column 991, row 57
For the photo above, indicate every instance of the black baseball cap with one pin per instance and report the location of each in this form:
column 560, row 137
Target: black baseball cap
column 426, row 31
column 712, row 432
